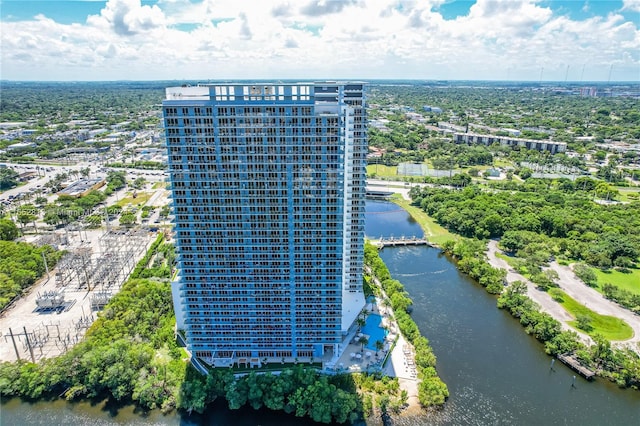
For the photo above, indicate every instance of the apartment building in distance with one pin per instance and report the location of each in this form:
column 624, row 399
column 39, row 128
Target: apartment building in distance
column 268, row 183
column 538, row 145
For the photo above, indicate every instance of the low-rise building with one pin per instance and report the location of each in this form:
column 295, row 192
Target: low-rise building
column 82, row 187
column 538, row 145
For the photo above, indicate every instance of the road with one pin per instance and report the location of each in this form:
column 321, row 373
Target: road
column 595, row 301
column 390, row 186
column 571, row 285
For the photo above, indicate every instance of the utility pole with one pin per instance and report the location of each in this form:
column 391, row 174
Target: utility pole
column 26, row 336
column 46, row 267
column 13, row 340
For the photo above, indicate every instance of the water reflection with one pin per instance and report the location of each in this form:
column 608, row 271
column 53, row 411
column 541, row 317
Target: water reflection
column 385, row 219
column 496, row 373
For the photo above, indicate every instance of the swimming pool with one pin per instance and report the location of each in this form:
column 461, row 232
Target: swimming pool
column 374, row 330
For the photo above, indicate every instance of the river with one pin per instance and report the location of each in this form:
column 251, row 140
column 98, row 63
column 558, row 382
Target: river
column 495, row 372
column 497, row 375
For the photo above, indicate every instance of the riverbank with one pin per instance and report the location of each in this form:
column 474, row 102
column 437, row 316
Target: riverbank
column 584, row 295
column 401, row 363
column 418, row 366
column 621, row 366
column 433, row 232
column 404, row 358
column 618, row 364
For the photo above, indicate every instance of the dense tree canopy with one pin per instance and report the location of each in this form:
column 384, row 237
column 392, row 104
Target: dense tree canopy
column 539, row 114
column 569, row 224
column 8, row 230
column 21, row 264
column 8, row 178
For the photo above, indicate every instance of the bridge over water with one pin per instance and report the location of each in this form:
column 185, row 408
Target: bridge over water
column 378, row 194
column 402, row 241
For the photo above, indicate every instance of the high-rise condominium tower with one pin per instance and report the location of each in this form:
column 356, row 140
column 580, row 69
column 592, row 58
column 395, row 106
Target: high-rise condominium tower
column 268, row 184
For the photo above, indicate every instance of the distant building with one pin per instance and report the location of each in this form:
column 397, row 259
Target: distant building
column 21, row 145
column 82, row 187
column 12, row 124
column 449, row 127
column 376, row 152
column 429, row 108
column 493, row 173
column 268, row 183
column 472, row 138
column 380, row 124
column 96, row 132
column 590, row 92
column 512, row 132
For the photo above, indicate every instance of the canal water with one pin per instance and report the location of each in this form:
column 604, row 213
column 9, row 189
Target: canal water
column 497, row 375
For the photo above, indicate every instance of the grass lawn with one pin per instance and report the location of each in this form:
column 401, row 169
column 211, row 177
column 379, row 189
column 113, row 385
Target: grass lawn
column 140, row 199
column 513, row 262
column 499, row 162
column 434, row 232
column 630, row 282
column 380, row 170
column 159, row 185
column 611, row 328
column 628, row 194
column 509, row 259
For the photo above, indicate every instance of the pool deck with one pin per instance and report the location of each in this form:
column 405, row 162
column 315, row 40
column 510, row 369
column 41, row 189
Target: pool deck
column 401, row 362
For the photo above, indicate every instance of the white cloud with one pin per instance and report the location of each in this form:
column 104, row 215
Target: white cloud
column 633, row 5
column 128, row 17
column 319, row 39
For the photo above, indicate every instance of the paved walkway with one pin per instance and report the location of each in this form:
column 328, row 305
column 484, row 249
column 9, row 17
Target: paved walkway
column 595, row 301
column 401, row 364
column 391, row 186
column 584, row 295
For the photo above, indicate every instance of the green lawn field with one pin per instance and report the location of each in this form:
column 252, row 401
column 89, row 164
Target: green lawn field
column 432, row 231
column 630, row 282
column 380, row 170
column 611, row 328
column 141, row 198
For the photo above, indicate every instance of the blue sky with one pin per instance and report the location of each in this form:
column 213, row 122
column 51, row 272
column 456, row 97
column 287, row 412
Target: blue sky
column 225, row 39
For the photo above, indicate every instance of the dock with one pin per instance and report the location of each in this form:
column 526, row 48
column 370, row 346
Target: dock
column 402, row 241
column 575, row 365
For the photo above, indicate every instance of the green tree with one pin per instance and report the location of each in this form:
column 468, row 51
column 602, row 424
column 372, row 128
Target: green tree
column 8, row 178
column 127, row 218
column 139, row 183
column 379, row 346
column 586, row 274
column 93, row 221
column 8, row 230
column 583, row 322
column 363, row 341
column 26, row 215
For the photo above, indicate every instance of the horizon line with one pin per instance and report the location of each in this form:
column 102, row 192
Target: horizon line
column 606, row 82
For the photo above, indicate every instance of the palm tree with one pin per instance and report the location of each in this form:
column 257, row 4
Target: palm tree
column 379, row 346
column 361, row 322
column 363, row 341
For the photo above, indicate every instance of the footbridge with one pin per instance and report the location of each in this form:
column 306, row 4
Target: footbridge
column 402, row 241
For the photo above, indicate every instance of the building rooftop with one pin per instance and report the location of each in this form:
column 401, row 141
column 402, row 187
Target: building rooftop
column 79, row 187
